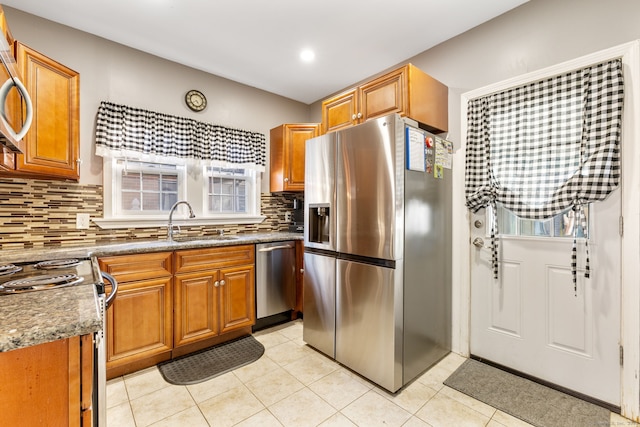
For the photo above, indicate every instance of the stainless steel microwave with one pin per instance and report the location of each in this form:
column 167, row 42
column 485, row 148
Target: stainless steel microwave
column 10, row 137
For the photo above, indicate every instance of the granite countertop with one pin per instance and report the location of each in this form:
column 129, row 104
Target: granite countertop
column 38, row 317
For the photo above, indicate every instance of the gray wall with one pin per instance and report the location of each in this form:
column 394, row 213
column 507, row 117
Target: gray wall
column 113, row 72
column 538, row 34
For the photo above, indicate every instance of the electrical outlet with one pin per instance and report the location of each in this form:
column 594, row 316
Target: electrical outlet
column 287, row 217
column 82, row 221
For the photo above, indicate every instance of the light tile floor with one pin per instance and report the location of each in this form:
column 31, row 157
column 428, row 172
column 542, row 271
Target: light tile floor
column 292, row 385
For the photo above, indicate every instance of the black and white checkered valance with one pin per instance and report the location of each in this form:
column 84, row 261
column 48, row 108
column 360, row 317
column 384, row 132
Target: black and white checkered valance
column 547, row 146
column 134, row 133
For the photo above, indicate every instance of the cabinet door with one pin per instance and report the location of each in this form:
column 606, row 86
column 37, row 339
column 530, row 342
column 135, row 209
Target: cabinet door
column 296, row 139
column 139, row 322
column 384, row 95
column 52, row 143
column 340, row 112
column 286, row 153
column 196, row 314
column 237, row 297
column 41, row 385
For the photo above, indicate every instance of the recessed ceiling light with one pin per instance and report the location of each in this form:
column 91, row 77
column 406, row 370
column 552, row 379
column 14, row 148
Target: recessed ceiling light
column 307, row 55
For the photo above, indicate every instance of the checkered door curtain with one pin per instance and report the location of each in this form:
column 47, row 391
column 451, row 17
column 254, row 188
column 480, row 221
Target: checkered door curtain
column 134, row 133
column 545, row 147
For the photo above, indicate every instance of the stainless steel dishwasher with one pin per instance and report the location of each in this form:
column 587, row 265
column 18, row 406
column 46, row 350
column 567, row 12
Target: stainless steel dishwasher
column 275, row 282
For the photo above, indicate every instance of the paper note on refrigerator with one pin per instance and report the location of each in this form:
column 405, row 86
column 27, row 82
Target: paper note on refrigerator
column 444, row 152
column 415, row 150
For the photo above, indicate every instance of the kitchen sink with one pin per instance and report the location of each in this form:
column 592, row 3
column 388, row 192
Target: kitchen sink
column 204, row 238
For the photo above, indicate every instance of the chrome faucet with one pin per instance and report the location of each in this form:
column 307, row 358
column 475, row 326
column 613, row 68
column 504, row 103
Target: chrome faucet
column 173, row 208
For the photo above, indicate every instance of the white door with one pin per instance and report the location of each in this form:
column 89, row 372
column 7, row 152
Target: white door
column 531, row 319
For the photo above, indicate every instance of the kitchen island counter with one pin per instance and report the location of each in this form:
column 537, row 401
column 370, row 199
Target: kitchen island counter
column 38, row 317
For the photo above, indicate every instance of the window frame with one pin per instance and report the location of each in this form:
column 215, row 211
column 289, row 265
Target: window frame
column 193, row 189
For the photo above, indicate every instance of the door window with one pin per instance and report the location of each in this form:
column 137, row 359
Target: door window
column 561, row 225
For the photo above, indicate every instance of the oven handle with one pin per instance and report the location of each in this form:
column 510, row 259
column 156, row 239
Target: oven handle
column 114, row 290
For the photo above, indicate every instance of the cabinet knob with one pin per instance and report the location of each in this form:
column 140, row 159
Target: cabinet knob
column 286, row 180
column 353, row 117
column 222, row 282
column 216, row 283
column 359, row 115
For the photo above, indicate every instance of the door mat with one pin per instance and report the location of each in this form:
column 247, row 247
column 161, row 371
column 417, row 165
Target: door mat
column 524, row 399
column 211, row 362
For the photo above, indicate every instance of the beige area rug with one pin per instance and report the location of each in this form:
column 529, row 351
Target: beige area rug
column 525, row 399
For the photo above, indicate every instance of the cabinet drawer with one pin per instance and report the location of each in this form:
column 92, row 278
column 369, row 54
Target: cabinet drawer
column 127, row 268
column 210, row 258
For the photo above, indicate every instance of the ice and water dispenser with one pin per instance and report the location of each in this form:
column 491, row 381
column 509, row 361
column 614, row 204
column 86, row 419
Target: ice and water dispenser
column 319, row 222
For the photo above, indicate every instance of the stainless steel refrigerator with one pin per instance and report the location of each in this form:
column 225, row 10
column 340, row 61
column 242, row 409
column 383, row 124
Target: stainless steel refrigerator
column 377, row 261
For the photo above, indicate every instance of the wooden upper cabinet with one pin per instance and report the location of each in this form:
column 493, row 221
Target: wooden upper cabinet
column 52, row 144
column 287, row 145
column 4, row 27
column 406, row 90
column 339, row 112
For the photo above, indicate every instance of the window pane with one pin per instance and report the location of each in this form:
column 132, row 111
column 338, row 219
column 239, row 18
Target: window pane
column 561, row 225
column 170, row 183
column 168, row 200
column 131, row 181
column 241, row 205
column 241, row 188
column 226, row 203
column 151, row 182
column 130, row 201
column 151, row 201
column 226, row 186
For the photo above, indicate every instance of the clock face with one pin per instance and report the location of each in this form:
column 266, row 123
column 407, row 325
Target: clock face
column 195, row 100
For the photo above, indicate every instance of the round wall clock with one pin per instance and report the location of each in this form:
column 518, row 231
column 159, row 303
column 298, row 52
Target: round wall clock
column 195, row 100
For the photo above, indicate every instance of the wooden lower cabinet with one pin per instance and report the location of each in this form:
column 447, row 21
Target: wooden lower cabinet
column 214, row 294
column 172, row 303
column 48, row 384
column 140, row 320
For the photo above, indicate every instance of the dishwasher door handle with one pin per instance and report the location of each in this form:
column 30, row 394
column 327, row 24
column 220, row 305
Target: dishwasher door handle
column 275, row 248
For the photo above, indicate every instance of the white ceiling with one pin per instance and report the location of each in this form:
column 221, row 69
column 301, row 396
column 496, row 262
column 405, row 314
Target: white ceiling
column 257, row 42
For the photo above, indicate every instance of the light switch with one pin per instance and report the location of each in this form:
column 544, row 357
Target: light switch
column 82, row 221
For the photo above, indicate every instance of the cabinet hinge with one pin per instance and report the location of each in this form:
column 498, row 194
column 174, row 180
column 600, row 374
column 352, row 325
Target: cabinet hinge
column 621, row 225
column 621, row 355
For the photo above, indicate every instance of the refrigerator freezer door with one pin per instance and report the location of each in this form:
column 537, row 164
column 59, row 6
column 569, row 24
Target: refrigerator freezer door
column 367, row 183
column 369, row 322
column 319, row 290
column 319, row 192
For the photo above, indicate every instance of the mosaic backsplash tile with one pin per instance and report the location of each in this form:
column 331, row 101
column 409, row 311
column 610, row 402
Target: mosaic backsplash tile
column 41, row 213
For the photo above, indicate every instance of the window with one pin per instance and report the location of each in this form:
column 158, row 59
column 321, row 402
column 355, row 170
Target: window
column 143, row 192
column 561, row 225
column 147, row 187
column 227, row 190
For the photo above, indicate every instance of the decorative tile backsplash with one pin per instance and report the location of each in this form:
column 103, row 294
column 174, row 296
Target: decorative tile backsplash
column 41, row 213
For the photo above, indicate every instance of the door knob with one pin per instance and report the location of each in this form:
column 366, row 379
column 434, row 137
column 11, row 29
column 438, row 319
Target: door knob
column 478, row 242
